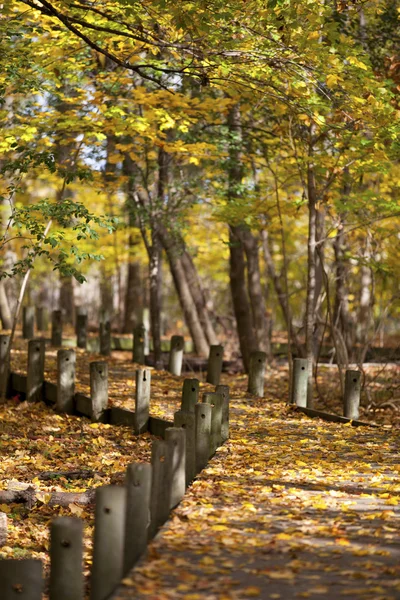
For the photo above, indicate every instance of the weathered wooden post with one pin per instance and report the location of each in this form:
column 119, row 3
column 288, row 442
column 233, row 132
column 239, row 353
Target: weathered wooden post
column 138, row 485
column 35, row 379
column 4, row 342
column 176, row 354
column 214, row 368
column 352, row 392
column 300, row 382
column 28, row 322
column 3, row 529
column 66, row 559
column 203, row 434
column 56, row 328
column 81, row 330
column 190, row 395
column 42, row 318
column 105, row 337
column 139, row 344
column 176, row 438
column 109, row 540
column 224, row 391
column 98, row 388
column 66, row 360
column 257, row 373
column 187, row 421
column 160, row 486
column 216, row 402
column 21, row 579
column 142, row 400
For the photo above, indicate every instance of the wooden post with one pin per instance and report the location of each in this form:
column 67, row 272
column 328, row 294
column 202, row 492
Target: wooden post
column 190, row 395
column 138, row 485
column 138, row 344
column 3, row 529
column 214, row 368
column 42, row 318
column 300, row 382
column 257, row 373
column 35, row 379
column 81, row 330
column 21, row 579
column 28, row 322
column 98, row 388
column 56, row 328
column 176, row 438
column 352, row 391
column 224, row 391
column 66, row 559
column 142, row 400
column 216, row 402
column 4, row 342
column 160, row 485
column 105, row 338
column 187, row 421
column 176, row 355
column 66, row 360
column 203, row 434
column 109, row 540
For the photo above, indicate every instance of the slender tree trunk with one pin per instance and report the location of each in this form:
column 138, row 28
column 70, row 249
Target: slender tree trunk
column 280, row 292
column 237, row 265
column 67, row 303
column 240, row 299
column 366, row 300
column 188, row 305
column 133, row 297
column 5, row 312
column 260, row 325
column 155, row 306
column 134, row 301
column 342, row 317
column 311, row 280
column 199, row 297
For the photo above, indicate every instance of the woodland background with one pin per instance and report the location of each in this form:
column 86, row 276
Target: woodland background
column 231, row 166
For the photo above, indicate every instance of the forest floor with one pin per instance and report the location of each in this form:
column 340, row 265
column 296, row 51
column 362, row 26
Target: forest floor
column 288, row 508
column 283, row 489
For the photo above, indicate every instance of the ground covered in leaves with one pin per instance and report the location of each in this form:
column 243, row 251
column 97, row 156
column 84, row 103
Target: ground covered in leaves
column 288, row 508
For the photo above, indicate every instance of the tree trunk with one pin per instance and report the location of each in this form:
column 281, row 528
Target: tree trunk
column 5, row 312
column 260, row 325
column 237, row 266
column 188, row 305
column 133, row 297
column 342, row 317
column 280, row 292
column 240, row 300
column 199, row 297
column 366, row 300
column 311, row 281
column 155, row 305
column 67, row 303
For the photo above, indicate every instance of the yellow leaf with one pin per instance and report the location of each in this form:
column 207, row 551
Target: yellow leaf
column 75, row 509
column 252, row 591
column 94, row 425
column 5, row 508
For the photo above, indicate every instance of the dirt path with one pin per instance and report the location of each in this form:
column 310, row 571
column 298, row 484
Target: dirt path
column 288, row 508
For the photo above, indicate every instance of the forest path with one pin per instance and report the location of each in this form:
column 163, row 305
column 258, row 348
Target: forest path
column 288, row 508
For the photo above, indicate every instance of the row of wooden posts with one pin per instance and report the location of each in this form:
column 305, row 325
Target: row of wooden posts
column 352, row 389
column 127, row 517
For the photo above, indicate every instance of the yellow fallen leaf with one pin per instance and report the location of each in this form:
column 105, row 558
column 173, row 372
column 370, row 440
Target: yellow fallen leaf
column 252, row 591
column 5, row 508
